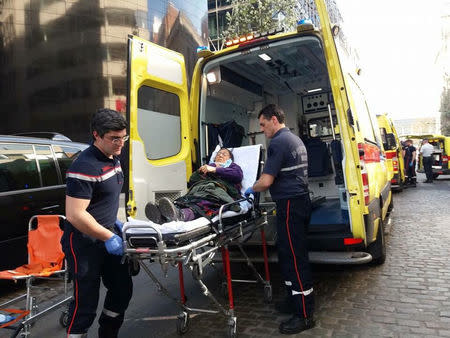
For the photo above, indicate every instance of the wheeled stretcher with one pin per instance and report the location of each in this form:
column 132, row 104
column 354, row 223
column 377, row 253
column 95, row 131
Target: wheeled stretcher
column 195, row 244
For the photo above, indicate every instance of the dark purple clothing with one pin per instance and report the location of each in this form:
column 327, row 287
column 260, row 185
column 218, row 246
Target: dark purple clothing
column 232, row 174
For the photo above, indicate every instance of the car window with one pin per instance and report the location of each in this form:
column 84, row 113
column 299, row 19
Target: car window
column 46, row 165
column 65, row 156
column 18, row 169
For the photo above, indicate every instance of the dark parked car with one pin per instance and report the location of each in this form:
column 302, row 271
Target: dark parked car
column 32, row 182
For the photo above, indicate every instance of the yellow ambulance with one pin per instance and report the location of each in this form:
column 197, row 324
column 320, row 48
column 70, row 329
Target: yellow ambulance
column 441, row 154
column 303, row 72
column 393, row 151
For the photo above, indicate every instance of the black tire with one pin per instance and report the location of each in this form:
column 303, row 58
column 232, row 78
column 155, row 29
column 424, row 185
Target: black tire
column 435, row 176
column 391, row 205
column 64, row 319
column 183, row 323
column 378, row 248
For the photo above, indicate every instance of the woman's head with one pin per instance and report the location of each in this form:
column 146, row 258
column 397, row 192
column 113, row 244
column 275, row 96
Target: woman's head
column 223, row 155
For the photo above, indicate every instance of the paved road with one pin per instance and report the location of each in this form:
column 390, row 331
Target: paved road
column 407, row 296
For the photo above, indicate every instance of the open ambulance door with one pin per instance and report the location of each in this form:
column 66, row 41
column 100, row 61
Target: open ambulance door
column 346, row 122
column 159, row 154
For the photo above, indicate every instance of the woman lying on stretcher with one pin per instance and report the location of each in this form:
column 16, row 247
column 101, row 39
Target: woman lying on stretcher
column 211, row 186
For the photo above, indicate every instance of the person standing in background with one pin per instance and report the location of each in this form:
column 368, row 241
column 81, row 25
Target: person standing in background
column 410, row 163
column 427, row 159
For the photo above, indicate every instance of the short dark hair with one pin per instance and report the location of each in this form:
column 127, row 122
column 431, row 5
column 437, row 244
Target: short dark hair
column 272, row 110
column 229, row 152
column 105, row 120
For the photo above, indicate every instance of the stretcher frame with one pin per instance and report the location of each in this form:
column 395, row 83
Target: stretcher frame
column 199, row 253
column 32, row 311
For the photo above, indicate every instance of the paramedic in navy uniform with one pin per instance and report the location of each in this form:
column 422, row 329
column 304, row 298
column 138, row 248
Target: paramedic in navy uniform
column 91, row 240
column 285, row 174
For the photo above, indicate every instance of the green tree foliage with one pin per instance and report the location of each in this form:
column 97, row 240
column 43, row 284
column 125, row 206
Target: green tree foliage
column 261, row 15
column 445, row 111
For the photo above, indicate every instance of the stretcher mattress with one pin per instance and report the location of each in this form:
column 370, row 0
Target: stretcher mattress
column 177, row 232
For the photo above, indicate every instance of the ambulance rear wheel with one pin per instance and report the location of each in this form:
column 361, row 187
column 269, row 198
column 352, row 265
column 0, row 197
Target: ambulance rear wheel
column 183, row 323
column 378, row 248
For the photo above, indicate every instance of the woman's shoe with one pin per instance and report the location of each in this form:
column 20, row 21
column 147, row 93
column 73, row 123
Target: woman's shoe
column 152, row 212
column 169, row 210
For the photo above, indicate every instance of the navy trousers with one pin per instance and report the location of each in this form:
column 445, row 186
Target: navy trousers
column 88, row 263
column 293, row 216
column 428, row 167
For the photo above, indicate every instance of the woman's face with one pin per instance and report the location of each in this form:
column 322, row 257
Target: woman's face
column 222, row 156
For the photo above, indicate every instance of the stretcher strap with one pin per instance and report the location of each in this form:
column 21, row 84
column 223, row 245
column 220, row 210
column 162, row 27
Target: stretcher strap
column 22, row 313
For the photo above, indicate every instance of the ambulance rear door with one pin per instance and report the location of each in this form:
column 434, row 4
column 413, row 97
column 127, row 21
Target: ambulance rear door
column 157, row 109
column 346, row 123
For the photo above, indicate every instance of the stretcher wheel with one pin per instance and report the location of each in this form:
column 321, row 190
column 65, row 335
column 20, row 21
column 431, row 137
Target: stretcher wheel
column 267, row 293
column 232, row 332
column 64, row 319
column 183, row 323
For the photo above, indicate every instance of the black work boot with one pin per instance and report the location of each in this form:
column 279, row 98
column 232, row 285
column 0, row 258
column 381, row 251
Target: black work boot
column 109, row 326
column 296, row 324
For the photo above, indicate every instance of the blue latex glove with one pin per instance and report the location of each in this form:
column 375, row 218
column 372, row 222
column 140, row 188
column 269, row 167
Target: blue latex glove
column 410, row 164
column 119, row 225
column 249, row 192
column 114, row 245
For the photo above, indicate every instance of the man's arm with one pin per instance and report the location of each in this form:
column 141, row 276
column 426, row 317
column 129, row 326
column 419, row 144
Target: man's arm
column 264, row 183
column 82, row 220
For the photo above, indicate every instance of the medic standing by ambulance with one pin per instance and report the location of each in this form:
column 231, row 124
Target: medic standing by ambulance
column 286, row 175
column 91, row 240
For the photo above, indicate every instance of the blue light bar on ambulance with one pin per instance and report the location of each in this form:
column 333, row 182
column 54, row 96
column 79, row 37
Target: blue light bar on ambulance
column 305, row 25
column 200, row 48
column 203, row 51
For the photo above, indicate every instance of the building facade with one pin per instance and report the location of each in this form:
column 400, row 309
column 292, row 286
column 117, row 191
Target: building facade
column 60, row 60
column 418, row 126
column 443, row 62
